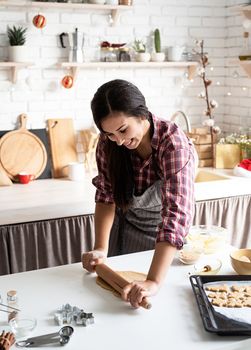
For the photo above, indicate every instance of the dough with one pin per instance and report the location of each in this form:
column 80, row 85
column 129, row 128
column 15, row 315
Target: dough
column 130, row 276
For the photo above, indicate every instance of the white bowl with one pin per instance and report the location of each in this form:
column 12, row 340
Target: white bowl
column 212, row 238
column 208, row 266
column 189, row 254
column 22, row 326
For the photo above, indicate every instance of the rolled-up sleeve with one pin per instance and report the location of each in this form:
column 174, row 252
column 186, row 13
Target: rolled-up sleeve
column 101, row 181
column 177, row 195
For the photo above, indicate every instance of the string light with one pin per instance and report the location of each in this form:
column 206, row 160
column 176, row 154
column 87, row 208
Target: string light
column 217, row 83
column 229, row 93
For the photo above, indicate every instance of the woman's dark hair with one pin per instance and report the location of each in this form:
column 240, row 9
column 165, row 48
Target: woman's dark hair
column 119, row 96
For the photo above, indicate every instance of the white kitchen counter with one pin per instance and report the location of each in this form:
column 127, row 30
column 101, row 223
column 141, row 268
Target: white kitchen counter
column 173, row 322
column 57, row 198
column 46, row 199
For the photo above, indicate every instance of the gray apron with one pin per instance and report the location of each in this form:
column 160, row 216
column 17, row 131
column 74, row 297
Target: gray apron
column 136, row 230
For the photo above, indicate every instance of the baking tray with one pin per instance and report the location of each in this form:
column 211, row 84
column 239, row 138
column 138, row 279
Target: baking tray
column 213, row 321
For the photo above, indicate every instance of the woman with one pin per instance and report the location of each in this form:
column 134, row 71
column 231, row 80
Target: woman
column 144, row 197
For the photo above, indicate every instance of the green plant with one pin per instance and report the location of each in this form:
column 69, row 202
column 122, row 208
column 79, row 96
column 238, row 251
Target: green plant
column 16, row 35
column 157, row 42
column 139, row 46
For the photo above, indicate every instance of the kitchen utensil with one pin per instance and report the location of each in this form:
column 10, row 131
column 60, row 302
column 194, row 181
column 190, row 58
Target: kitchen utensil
column 241, row 261
column 116, row 281
column 20, row 150
column 214, row 322
column 75, row 45
column 61, row 337
column 63, row 146
column 9, row 307
column 4, row 179
column 42, row 135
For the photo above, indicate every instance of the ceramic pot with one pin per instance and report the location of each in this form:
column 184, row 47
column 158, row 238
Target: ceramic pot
column 157, row 56
column 18, row 53
column 175, row 53
column 142, row 57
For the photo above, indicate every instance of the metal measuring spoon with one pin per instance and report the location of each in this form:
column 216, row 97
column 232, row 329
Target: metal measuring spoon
column 61, row 337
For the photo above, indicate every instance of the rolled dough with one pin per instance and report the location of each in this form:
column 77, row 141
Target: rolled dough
column 130, row 276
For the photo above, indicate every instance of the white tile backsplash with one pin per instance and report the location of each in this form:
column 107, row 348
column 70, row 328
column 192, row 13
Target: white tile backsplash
column 40, row 94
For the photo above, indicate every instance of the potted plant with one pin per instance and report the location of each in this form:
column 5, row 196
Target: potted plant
column 17, row 39
column 140, row 48
column 157, row 56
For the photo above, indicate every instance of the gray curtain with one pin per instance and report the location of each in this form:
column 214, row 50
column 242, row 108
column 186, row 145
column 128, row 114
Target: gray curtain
column 233, row 213
column 41, row 244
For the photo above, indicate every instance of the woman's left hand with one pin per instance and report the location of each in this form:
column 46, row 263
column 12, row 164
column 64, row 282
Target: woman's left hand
column 134, row 292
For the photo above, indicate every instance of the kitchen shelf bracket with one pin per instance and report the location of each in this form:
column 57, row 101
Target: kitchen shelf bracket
column 14, row 66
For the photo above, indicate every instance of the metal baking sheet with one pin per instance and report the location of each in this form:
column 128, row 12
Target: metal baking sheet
column 214, row 322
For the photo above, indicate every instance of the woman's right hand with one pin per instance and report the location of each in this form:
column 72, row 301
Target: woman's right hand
column 93, row 258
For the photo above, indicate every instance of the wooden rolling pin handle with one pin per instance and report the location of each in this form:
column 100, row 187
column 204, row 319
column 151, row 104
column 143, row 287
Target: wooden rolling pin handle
column 117, row 282
column 145, row 304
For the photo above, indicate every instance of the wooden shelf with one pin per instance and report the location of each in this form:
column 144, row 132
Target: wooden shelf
column 15, row 66
column 244, row 9
column 245, row 65
column 191, row 66
column 114, row 9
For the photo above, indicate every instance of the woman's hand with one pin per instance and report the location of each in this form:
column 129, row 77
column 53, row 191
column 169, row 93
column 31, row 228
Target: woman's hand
column 134, row 292
column 93, row 258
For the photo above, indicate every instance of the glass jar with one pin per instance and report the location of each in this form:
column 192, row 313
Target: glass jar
column 124, row 55
column 108, row 55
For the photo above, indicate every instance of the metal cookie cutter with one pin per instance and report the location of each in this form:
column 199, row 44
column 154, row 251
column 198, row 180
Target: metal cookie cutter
column 61, row 337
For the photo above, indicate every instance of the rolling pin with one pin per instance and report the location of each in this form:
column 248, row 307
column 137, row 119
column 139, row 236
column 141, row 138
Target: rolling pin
column 117, row 282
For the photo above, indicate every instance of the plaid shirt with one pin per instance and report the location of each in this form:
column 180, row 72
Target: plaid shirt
column 174, row 158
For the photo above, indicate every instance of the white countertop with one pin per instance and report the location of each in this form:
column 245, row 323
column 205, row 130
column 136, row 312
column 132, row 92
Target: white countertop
column 173, row 322
column 57, row 198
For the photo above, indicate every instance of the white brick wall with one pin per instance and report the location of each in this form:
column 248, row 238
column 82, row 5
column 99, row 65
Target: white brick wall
column 40, row 94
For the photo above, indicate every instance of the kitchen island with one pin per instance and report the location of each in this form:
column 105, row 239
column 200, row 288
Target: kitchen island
column 50, row 222
column 173, row 322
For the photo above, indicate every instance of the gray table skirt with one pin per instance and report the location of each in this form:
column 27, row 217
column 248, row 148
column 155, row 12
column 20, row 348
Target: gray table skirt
column 42, row 244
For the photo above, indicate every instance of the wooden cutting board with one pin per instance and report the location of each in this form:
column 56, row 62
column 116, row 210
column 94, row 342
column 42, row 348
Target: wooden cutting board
column 42, row 135
column 63, row 145
column 20, row 150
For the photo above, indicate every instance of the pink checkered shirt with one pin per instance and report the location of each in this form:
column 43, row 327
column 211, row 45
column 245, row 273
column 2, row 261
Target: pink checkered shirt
column 174, row 157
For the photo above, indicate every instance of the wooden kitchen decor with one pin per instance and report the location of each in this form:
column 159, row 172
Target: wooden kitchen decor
column 227, row 156
column 202, row 142
column 63, row 145
column 4, row 179
column 22, row 151
column 89, row 140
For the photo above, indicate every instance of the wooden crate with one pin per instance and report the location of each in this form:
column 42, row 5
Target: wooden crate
column 226, row 156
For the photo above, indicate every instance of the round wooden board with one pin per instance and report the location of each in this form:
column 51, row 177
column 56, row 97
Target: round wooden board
column 20, row 150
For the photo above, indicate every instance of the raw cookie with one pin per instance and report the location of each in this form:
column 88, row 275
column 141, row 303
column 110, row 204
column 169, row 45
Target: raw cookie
column 240, row 289
column 218, row 288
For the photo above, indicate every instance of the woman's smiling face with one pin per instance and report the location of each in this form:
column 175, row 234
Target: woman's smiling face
column 125, row 130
